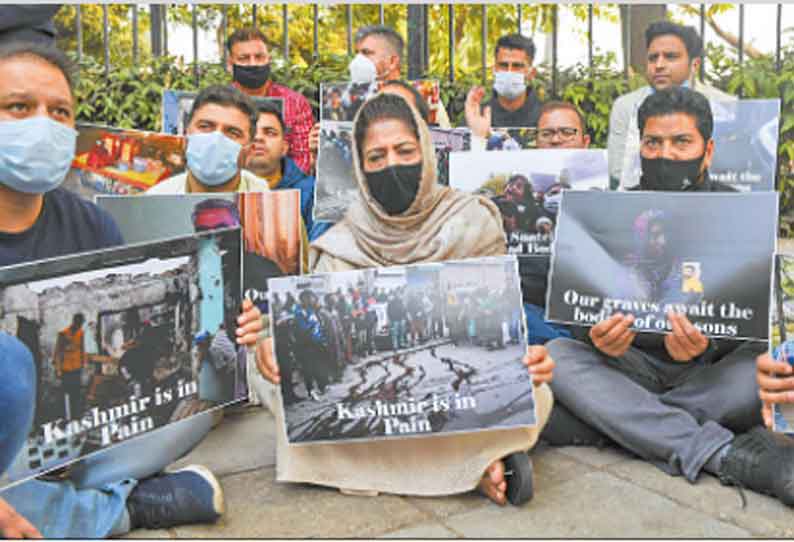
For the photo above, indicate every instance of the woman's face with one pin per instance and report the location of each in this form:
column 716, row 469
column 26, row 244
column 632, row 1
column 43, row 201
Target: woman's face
column 389, row 142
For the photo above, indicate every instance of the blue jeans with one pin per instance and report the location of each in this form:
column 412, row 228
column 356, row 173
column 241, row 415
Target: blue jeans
column 539, row 331
column 17, row 397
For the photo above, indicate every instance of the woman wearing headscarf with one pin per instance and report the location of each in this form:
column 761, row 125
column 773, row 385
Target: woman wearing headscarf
column 403, row 216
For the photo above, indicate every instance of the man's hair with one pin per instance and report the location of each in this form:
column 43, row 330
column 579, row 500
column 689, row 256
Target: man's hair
column 386, row 33
column 687, row 34
column 678, row 100
column 47, row 53
column 516, row 41
column 78, row 317
column 549, row 107
column 269, row 108
column 248, row 33
column 421, row 104
column 226, row 96
column 381, row 107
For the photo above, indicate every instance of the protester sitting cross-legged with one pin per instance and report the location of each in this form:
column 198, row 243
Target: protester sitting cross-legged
column 269, row 160
column 249, row 62
column 220, row 129
column 679, row 400
column 121, row 488
column 405, row 217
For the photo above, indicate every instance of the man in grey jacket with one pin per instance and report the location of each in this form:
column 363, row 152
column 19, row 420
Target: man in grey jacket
column 675, row 53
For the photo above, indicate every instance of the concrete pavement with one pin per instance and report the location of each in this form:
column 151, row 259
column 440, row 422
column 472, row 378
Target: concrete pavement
column 579, row 492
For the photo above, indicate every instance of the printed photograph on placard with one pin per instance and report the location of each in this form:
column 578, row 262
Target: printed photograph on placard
column 271, row 224
column 402, row 351
column 703, row 254
column 124, row 341
column 781, row 333
column 176, row 106
column 118, row 161
column 746, row 134
column 340, row 101
column 511, row 139
column 445, row 141
column 336, row 185
column 526, row 187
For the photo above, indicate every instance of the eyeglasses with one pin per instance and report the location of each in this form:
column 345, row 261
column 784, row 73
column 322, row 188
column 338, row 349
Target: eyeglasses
column 565, row 133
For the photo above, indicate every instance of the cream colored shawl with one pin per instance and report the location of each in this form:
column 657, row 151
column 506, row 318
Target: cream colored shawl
column 441, row 224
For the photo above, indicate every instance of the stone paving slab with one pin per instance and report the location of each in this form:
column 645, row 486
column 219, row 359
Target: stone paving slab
column 259, row 507
column 596, row 457
column 423, row 531
column 763, row 516
column 594, row 505
column 245, row 440
column 552, row 467
column 146, row 534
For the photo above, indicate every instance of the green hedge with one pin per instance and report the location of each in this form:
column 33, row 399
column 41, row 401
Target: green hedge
column 130, row 97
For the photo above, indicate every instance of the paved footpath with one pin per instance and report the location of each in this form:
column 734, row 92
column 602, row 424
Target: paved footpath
column 579, row 492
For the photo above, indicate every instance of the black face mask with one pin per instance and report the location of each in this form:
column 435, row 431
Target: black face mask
column 669, row 175
column 395, row 187
column 251, row 76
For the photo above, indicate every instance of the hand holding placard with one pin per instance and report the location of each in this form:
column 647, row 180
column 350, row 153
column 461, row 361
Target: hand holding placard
column 613, row 336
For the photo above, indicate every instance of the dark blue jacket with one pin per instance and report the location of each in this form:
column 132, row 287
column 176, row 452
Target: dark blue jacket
column 293, row 177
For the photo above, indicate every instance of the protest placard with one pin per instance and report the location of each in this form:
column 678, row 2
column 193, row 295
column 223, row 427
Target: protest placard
column 706, row 255
column 341, row 100
column 125, row 341
column 526, row 186
column 402, row 351
column 119, row 161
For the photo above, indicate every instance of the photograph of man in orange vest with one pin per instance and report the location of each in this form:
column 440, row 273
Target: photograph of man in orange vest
column 69, row 360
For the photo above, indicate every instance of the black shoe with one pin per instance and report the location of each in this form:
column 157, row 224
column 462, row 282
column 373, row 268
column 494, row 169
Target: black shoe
column 762, row 461
column 189, row 495
column 518, row 472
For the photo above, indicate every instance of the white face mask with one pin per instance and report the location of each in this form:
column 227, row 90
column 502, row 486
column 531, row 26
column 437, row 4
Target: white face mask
column 511, row 85
column 362, row 70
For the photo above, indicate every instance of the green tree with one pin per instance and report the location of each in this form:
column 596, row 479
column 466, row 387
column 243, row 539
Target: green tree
column 120, row 31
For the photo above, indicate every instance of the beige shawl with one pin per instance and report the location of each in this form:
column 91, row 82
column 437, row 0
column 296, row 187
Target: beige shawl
column 441, row 224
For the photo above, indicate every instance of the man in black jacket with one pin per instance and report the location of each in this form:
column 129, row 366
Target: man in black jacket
column 681, row 401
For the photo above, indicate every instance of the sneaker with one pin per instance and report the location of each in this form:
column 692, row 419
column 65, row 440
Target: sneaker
column 189, row 495
column 762, row 461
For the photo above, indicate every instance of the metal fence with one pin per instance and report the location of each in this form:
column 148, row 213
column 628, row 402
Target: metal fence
column 417, row 63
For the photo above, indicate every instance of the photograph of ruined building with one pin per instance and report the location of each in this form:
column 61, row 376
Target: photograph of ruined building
column 402, row 351
column 124, row 341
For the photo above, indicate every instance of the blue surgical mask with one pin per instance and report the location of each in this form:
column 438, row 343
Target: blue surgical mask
column 35, row 154
column 212, row 157
column 511, row 85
